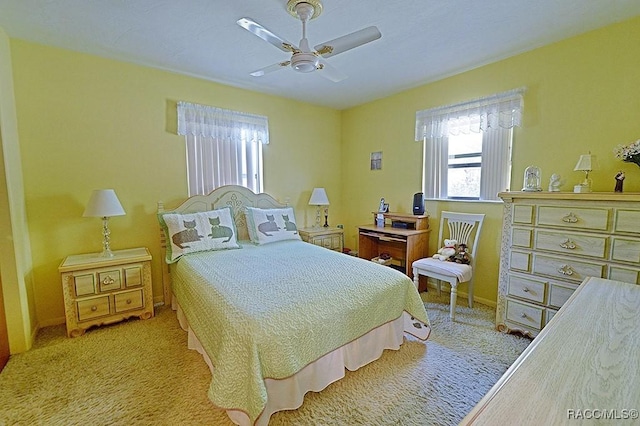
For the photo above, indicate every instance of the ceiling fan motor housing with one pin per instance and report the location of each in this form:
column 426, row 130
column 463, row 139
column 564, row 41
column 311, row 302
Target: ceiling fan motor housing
column 304, row 62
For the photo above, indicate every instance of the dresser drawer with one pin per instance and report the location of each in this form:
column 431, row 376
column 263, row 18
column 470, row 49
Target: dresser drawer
column 624, row 274
column 523, row 214
column 574, row 217
column 525, row 288
column 521, row 237
column 128, row 300
column 627, row 221
column 571, row 243
column 558, row 294
column 625, row 250
column 93, row 308
column 109, row 280
column 566, row 268
column 519, row 261
column 528, row 315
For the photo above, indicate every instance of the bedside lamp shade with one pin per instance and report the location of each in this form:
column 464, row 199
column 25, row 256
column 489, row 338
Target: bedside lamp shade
column 319, row 198
column 104, row 203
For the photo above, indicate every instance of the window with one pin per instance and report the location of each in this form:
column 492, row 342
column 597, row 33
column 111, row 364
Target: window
column 467, row 147
column 223, row 147
column 464, row 166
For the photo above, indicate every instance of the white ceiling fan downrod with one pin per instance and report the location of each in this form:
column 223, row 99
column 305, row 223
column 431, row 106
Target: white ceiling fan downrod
column 305, row 60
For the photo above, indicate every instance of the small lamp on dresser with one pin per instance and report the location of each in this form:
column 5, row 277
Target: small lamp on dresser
column 104, row 203
column 586, row 164
column 319, row 198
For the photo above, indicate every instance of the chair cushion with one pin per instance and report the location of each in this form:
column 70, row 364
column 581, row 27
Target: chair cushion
column 461, row 271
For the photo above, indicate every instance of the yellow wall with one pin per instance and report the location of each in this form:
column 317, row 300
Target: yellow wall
column 86, row 122
column 582, row 95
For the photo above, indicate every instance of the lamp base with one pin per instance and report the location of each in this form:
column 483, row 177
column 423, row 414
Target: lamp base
column 106, row 253
column 580, row 189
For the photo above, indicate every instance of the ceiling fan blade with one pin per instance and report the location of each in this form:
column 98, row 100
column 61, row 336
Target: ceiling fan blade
column 347, row 42
column 329, row 72
column 257, row 29
column 270, row 68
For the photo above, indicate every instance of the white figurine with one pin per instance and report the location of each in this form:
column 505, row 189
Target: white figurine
column 555, row 182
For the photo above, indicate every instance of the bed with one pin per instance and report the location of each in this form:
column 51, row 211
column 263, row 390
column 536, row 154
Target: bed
column 276, row 319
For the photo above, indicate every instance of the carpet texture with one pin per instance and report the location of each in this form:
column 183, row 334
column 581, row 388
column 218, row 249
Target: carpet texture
column 141, row 373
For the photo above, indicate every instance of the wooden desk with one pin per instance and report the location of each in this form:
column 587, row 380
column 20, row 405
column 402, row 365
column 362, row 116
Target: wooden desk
column 404, row 245
column 582, row 366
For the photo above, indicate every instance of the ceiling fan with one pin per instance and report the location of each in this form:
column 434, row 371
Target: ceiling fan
column 303, row 58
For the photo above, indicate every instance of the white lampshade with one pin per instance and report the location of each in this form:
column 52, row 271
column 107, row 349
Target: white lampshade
column 319, row 197
column 103, row 203
column 586, row 163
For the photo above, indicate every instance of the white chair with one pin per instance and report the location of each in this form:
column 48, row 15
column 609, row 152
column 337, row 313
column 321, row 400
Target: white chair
column 465, row 229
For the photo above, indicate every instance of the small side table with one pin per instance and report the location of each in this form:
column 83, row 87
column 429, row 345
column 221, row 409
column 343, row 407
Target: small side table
column 331, row 238
column 103, row 290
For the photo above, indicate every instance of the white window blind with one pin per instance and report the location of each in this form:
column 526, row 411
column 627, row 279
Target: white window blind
column 494, row 116
column 224, row 147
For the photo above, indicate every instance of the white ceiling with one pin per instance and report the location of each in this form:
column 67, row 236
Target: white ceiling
column 422, row 40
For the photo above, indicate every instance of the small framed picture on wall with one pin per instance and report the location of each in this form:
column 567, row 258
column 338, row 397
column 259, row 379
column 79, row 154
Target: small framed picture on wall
column 376, row 160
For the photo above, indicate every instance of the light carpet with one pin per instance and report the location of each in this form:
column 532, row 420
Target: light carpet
column 141, row 373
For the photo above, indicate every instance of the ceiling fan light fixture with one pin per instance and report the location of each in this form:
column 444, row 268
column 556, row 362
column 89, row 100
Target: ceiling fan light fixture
column 304, row 62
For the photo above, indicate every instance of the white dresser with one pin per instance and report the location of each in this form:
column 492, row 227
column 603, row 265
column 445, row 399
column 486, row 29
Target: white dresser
column 580, row 370
column 552, row 241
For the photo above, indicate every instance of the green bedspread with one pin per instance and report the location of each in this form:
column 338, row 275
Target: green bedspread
column 268, row 311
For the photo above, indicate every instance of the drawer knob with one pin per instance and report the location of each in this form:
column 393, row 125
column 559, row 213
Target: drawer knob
column 94, row 308
column 565, row 270
column 108, row 280
column 523, row 315
column 570, row 218
column 570, row 245
column 128, row 301
column 526, row 289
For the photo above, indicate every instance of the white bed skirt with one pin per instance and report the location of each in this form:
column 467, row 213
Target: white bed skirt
column 288, row 394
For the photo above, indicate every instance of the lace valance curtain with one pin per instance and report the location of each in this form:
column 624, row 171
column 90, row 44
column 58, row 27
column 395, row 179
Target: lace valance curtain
column 502, row 110
column 221, row 124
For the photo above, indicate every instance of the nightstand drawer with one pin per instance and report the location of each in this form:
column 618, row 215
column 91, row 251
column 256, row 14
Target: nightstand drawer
column 128, row 300
column 93, row 308
column 109, row 280
column 133, row 276
column 84, row 284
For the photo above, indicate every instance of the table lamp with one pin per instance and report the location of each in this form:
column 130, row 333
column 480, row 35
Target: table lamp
column 319, row 198
column 586, row 164
column 104, row 203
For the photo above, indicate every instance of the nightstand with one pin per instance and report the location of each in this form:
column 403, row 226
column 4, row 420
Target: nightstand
column 103, row 290
column 331, row 238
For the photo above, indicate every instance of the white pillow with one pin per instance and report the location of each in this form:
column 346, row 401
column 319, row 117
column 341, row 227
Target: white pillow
column 195, row 232
column 269, row 225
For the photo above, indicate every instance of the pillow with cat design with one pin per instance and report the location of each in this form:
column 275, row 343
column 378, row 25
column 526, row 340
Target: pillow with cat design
column 195, row 232
column 270, row 225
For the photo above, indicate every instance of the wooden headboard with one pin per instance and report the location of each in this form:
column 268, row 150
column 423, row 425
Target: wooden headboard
column 236, row 197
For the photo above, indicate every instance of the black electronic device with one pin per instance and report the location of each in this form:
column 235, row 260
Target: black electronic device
column 402, row 225
column 418, row 203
